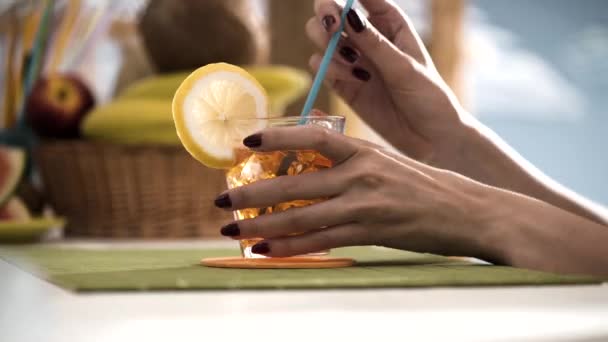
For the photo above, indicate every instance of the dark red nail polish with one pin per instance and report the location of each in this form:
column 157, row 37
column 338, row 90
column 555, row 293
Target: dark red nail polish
column 328, row 21
column 223, row 201
column 361, row 74
column 260, row 248
column 355, row 21
column 231, row 229
column 349, row 54
column 253, row 140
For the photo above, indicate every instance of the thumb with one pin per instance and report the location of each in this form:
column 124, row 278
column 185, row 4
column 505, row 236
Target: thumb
column 386, row 57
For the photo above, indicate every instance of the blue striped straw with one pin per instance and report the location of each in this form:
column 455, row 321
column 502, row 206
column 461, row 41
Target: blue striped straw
column 329, row 52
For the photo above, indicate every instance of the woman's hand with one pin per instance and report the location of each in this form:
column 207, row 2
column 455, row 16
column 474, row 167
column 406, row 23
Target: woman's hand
column 385, row 74
column 378, row 198
column 375, row 198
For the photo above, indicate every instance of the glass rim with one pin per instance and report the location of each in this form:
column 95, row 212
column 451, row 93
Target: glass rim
column 293, row 118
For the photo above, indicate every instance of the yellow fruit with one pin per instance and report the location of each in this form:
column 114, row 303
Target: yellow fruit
column 282, row 83
column 142, row 113
column 157, row 87
column 134, row 121
column 210, row 109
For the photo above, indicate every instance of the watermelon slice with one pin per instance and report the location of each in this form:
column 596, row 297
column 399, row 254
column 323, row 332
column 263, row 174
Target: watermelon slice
column 18, row 226
column 14, row 210
column 12, row 166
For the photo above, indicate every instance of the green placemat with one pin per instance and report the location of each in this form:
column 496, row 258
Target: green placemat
column 160, row 269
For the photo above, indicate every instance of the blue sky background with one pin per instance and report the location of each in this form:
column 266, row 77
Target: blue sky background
column 536, row 72
column 557, row 114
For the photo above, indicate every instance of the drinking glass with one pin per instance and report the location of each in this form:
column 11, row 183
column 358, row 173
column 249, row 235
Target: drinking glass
column 252, row 166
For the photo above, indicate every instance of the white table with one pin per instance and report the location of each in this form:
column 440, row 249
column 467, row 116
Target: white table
column 34, row 310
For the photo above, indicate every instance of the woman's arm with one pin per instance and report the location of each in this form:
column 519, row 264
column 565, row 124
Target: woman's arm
column 404, row 99
column 485, row 157
column 524, row 232
column 375, row 197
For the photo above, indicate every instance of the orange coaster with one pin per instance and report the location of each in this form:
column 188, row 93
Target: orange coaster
column 293, row 262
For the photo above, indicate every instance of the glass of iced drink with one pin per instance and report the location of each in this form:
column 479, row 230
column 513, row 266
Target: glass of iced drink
column 253, row 166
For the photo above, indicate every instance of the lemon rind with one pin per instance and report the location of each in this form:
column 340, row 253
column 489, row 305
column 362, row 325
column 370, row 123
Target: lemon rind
column 188, row 141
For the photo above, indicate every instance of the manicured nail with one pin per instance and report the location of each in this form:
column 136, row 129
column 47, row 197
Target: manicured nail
column 260, row 248
column 349, row 54
column 354, row 19
column 223, row 201
column 361, row 74
column 328, row 21
column 318, row 112
column 254, row 140
column 231, row 229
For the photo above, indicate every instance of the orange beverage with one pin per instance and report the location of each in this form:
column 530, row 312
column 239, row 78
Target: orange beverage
column 253, row 166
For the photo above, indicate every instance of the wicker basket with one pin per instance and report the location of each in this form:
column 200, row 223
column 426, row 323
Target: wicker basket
column 130, row 192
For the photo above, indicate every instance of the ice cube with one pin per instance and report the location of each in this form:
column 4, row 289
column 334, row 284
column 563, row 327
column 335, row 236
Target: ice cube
column 323, row 123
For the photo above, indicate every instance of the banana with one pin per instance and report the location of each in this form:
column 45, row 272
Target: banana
column 283, row 84
column 132, row 121
column 141, row 114
column 159, row 87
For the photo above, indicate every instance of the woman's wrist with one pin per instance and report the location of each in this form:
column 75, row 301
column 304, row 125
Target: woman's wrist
column 483, row 156
column 525, row 232
column 462, row 149
column 475, row 151
column 502, row 224
column 483, row 231
column 498, row 226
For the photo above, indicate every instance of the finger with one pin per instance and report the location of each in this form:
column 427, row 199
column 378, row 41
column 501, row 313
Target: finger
column 389, row 60
column 269, row 192
column 328, row 14
column 318, row 112
column 297, row 220
column 360, row 142
column 316, row 33
column 387, row 19
column 331, row 144
column 320, row 38
column 336, row 71
column 314, row 241
column 378, row 7
column 395, row 25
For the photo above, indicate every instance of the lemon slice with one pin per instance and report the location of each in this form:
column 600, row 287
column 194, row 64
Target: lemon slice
column 214, row 108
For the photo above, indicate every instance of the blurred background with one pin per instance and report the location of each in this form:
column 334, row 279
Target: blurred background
column 536, row 72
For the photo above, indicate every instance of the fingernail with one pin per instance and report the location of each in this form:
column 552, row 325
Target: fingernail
column 223, row 201
column 318, row 112
column 260, row 248
column 349, row 54
column 253, row 140
column 354, row 20
column 328, row 21
column 361, row 74
column 231, row 229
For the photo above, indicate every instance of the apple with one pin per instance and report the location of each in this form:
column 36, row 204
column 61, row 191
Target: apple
column 57, row 104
